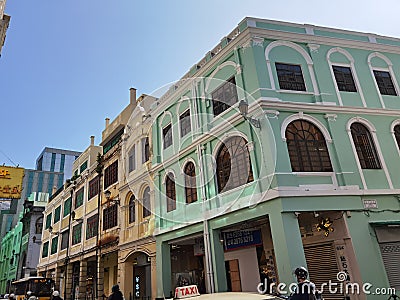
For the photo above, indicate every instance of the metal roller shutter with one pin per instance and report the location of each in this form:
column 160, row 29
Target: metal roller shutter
column 391, row 260
column 322, row 266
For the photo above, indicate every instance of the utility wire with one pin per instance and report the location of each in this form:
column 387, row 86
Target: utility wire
column 15, row 165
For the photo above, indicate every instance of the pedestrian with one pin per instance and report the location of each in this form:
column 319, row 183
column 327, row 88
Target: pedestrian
column 116, row 293
column 305, row 289
column 56, row 296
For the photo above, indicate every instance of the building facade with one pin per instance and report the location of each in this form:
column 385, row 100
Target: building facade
column 68, row 252
column 137, row 247
column 57, row 160
column 32, row 225
column 281, row 148
column 37, row 187
column 53, row 167
column 99, row 227
column 4, row 22
column 10, row 248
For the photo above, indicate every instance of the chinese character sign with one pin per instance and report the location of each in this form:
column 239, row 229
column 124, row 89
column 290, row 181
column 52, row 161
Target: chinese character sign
column 11, row 182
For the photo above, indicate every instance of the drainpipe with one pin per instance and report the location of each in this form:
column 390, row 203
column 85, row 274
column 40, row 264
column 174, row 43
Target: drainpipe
column 69, row 234
column 99, row 171
column 206, row 233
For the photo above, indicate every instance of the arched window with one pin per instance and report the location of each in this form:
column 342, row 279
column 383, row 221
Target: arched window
column 233, row 164
column 307, row 148
column 39, row 226
column 132, row 209
column 397, row 134
column 146, row 203
column 190, row 182
column 365, row 147
column 170, row 192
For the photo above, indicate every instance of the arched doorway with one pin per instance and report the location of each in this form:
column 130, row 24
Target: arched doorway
column 138, row 270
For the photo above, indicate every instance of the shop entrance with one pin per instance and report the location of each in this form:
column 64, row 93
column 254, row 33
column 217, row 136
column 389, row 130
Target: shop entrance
column 389, row 243
column 91, row 280
column 322, row 266
column 187, row 263
column 326, row 249
column 249, row 255
column 75, row 281
column 141, row 277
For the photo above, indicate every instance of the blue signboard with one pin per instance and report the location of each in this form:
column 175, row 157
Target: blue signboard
column 241, row 239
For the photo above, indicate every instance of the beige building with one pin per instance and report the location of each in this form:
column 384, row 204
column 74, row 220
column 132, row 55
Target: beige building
column 98, row 228
column 137, row 246
column 4, row 22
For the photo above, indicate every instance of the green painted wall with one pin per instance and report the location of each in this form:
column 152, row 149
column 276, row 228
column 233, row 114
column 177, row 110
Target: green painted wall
column 9, row 255
column 343, row 188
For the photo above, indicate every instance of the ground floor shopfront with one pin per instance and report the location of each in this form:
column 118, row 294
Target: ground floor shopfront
column 91, row 276
column 267, row 242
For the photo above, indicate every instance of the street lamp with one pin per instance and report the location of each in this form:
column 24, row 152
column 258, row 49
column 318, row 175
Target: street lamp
column 107, row 194
column 244, row 109
column 79, row 220
column 110, row 199
column 52, row 232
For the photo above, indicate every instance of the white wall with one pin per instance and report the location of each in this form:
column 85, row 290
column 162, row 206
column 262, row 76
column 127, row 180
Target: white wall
column 248, row 267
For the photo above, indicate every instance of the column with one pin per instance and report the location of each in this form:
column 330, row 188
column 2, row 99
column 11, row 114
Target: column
column 68, row 283
column 288, row 246
column 217, row 253
column 153, row 272
column 366, row 248
column 125, row 271
column 163, row 265
column 57, row 280
column 82, row 279
column 100, row 278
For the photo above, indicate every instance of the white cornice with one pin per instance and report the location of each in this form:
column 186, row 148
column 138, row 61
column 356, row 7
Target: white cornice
column 329, row 41
column 271, row 103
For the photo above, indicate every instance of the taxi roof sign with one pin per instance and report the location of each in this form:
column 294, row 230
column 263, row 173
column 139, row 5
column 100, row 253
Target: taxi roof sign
column 186, row 292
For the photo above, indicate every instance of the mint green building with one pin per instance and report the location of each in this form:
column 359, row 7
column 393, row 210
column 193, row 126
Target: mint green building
column 281, row 148
column 9, row 253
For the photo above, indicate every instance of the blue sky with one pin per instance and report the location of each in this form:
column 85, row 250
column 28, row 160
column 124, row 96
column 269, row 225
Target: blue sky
column 67, row 65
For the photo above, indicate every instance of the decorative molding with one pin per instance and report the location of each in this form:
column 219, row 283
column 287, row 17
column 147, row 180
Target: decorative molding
column 341, row 51
column 313, row 47
column 330, row 117
column 381, row 56
column 257, row 41
column 250, row 146
column 239, row 69
column 372, row 39
column 309, row 30
column 271, row 114
column 292, row 45
column 361, row 120
column 302, row 116
column 247, row 44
